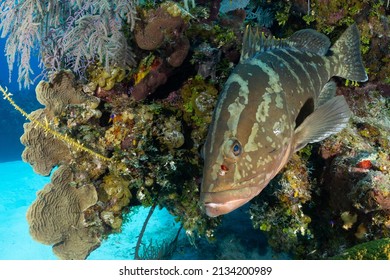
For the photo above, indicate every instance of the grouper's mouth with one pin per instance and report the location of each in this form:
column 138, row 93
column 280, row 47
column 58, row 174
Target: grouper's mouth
column 217, row 209
column 223, row 202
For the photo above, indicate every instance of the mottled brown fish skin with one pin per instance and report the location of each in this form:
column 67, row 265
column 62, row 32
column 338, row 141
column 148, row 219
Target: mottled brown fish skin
column 257, row 108
column 251, row 136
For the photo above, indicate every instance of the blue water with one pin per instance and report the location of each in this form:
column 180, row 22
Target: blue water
column 11, row 122
column 17, row 191
column 19, row 184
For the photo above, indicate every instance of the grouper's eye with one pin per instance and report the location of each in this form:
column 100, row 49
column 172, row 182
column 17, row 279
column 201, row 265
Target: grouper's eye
column 232, row 149
column 236, row 148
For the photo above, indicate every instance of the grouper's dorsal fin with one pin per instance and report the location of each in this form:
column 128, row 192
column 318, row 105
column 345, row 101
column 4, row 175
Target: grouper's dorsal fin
column 309, row 40
column 255, row 41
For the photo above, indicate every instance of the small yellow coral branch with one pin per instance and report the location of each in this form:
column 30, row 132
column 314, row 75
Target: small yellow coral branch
column 45, row 126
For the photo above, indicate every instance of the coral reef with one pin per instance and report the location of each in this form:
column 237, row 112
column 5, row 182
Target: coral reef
column 61, row 92
column 280, row 211
column 56, row 216
column 147, row 163
column 148, row 78
column 199, row 99
column 43, row 150
column 357, row 176
column 117, row 190
column 99, row 77
column 59, row 95
column 161, row 28
column 126, row 126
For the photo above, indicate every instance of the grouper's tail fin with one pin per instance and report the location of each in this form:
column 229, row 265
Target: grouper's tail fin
column 347, row 49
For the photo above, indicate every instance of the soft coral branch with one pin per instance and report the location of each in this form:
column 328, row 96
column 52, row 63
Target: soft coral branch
column 68, row 34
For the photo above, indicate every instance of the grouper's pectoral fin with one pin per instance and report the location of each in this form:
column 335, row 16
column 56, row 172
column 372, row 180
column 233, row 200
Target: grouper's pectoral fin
column 327, row 119
column 327, row 93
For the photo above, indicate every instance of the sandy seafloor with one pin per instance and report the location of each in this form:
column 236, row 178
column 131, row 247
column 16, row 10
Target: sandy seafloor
column 19, row 184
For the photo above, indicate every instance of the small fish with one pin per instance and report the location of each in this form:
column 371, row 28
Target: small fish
column 279, row 98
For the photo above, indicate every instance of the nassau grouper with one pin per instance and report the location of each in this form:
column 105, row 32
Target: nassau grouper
column 277, row 99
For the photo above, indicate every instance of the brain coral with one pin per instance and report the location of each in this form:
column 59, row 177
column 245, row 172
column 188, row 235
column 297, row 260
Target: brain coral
column 43, row 151
column 56, row 217
column 62, row 91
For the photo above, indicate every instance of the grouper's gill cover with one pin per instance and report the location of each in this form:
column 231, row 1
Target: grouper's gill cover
column 278, row 99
